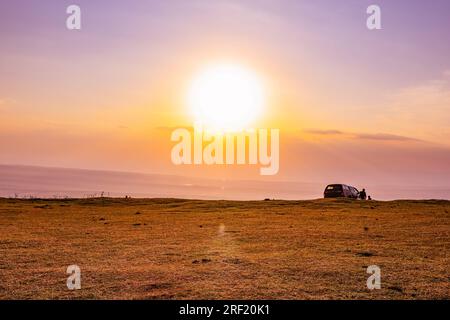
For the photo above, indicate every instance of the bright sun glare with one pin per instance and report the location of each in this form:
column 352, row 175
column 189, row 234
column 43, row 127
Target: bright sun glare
column 226, row 97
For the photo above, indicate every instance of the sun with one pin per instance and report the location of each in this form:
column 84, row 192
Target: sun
column 226, row 97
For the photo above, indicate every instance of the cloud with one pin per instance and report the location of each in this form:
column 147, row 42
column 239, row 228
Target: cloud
column 362, row 160
column 422, row 110
column 360, row 136
column 427, row 98
column 170, row 129
column 383, row 137
column 5, row 102
column 416, row 113
column 324, row 132
column 2, row 104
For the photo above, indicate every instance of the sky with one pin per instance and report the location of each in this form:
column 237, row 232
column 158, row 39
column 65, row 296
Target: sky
column 352, row 105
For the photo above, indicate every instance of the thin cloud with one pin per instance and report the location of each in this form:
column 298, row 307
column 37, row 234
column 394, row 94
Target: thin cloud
column 324, row 132
column 360, row 136
column 6, row 102
column 383, row 137
column 426, row 106
column 169, row 129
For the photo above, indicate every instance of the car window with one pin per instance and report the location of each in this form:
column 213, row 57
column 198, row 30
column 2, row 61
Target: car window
column 334, row 188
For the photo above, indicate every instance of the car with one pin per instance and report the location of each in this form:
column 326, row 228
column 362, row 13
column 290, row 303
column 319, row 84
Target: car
column 340, row 191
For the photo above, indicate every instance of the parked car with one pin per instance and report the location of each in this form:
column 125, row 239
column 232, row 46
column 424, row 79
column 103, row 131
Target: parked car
column 340, row 191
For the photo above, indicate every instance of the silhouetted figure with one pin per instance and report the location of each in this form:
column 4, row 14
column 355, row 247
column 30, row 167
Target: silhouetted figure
column 362, row 194
column 369, row 198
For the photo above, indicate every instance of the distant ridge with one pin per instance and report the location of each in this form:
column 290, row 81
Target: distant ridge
column 25, row 181
column 52, row 182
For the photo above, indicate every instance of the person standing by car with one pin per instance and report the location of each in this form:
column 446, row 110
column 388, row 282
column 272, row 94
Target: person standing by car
column 362, row 194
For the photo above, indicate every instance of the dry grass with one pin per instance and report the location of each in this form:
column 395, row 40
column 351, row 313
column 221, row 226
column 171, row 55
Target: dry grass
column 186, row 249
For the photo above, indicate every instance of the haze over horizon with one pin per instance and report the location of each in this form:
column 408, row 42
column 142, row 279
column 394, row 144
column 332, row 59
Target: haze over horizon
column 46, row 182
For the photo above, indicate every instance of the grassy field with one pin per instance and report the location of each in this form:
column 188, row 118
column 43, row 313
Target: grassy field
column 189, row 249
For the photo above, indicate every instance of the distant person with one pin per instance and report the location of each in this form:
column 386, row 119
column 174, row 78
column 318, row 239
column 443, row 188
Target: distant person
column 362, row 194
column 369, row 198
